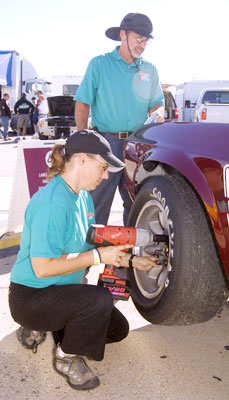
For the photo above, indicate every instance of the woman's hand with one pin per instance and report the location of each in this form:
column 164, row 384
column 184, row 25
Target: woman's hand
column 113, row 255
column 145, row 263
column 141, row 263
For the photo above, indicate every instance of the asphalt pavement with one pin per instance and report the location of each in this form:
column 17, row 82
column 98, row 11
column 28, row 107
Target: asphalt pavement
column 153, row 363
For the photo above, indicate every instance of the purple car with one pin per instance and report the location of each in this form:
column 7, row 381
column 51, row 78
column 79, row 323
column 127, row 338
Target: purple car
column 178, row 177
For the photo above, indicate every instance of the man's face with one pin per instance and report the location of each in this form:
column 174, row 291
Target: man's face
column 6, row 97
column 136, row 42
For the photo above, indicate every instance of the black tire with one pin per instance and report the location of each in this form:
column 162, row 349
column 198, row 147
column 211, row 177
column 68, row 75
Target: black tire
column 43, row 137
column 191, row 288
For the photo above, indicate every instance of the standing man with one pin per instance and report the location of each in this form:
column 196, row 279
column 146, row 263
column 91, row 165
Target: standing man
column 5, row 115
column 23, row 108
column 122, row 90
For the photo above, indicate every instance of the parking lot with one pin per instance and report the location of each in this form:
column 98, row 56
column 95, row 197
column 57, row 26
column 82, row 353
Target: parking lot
column 153, row 363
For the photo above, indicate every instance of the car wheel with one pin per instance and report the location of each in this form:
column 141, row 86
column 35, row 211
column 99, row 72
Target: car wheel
column 43, row 137
column 189, row 287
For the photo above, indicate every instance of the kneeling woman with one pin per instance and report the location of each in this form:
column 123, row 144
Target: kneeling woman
column 46, row 293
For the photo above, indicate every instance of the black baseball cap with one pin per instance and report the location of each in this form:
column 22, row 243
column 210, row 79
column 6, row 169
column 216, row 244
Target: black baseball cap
column 135, row 22
column 91, row 142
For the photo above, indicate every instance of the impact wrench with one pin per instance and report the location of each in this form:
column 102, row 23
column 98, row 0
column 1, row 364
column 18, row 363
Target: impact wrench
column 101, row 235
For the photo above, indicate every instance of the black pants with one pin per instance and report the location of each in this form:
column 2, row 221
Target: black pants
column 81, row 317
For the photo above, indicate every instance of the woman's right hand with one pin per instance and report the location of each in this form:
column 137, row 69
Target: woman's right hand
column 112, row 255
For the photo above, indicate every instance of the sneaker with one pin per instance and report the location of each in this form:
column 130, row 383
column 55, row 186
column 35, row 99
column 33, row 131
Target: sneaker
column 35, row 136
column 17, row 140
column 24, row 138
column 30, row 339
column 75, row 369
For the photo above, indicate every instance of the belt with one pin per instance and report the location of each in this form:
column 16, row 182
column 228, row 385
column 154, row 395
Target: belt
column 118, row 135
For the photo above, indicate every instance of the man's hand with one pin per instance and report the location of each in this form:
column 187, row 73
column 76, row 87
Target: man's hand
column 160, row 111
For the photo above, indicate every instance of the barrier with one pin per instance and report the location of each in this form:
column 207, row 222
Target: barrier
column 30, row 176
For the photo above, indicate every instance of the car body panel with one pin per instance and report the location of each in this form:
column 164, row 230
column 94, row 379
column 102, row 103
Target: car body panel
column 171, row 110
column 199, row 152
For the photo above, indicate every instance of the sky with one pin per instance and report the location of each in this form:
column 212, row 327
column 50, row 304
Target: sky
column 59, row 37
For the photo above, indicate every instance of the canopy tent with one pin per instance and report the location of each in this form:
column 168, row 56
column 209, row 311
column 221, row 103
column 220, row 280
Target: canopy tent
column 6, row 58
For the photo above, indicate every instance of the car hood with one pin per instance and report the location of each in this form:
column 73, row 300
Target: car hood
column 61, row 106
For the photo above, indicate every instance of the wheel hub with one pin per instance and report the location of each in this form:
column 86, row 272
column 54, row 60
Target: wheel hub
column 153, row 217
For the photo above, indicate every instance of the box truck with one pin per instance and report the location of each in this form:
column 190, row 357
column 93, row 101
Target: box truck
column 18, row 75
column 65, row 85
column 203, row 101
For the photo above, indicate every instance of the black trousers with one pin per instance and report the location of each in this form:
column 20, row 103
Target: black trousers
column 81, row 317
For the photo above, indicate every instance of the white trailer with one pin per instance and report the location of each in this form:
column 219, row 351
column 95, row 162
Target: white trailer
column 65, row 85
column 190, row 101
column 18, row 75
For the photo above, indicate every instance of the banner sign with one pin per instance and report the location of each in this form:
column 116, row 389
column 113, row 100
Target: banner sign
column 36, row 163
column 33, row 161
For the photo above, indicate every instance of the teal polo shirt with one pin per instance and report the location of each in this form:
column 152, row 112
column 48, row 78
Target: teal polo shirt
column 56, row 222
column 119, row 95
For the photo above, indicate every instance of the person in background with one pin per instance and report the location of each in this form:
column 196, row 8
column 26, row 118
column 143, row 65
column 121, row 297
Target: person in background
column 42, row 110
column 122, row 90
column 33, row 116
column 46, row 293
column 23, row 108
column 5, row 115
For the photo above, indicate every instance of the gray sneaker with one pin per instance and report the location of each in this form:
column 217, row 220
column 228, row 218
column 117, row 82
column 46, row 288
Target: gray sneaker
column 30, row 339
column 75, row 369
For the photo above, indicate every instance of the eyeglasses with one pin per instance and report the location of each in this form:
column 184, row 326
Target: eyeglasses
column 105, row 166
column 141, row 39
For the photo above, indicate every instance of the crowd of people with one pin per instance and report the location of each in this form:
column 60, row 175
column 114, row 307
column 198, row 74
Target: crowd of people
column 27, row 114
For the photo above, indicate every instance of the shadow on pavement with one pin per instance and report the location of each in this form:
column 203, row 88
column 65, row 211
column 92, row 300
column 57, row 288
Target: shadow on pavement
column 152, row 363
column 7, row 259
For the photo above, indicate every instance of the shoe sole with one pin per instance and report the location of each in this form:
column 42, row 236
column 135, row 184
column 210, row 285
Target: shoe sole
column 27, row 346
column 89, row 385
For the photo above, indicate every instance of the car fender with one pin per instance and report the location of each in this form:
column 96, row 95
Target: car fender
column 189, row 148
column 160, row 160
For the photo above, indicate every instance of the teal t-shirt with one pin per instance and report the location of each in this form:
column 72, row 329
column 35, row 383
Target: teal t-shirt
column 56, row 222
column 119, row 96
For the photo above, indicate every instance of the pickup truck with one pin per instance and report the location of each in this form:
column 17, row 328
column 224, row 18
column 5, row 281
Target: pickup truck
column 212, row 106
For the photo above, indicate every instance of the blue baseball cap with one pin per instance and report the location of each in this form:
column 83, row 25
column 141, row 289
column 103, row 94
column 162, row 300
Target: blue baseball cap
column 135, row 22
